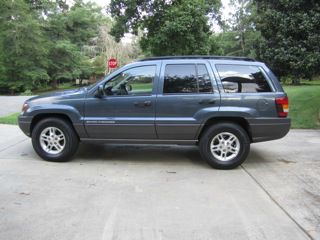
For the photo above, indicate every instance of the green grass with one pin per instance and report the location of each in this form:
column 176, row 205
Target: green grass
column 10, row 119
column 304, row 105
column 141, row 86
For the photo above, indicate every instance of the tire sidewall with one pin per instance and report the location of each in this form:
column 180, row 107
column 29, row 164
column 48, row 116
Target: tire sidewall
column 67, row 130
column 238, row 131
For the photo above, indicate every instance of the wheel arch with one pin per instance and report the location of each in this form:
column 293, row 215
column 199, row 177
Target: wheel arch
column 37, row 118
column 237, row 120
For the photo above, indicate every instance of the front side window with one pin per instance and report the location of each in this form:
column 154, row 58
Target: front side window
column 186, row 78
column 134, row 81
column 242, row 79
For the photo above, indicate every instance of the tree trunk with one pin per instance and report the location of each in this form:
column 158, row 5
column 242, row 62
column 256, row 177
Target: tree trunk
column 242, row 43
column 54, row 83
column 295, row 80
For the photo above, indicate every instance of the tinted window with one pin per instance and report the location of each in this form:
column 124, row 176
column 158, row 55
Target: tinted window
column 134, row 81
column 204, row 79
column 186, row 78
column 239, row 78
column 180, row 79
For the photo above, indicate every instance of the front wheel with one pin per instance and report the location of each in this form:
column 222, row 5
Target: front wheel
column 224, row 145
column 54, row 139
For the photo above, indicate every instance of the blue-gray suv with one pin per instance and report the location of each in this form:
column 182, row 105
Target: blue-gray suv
column 221, row 104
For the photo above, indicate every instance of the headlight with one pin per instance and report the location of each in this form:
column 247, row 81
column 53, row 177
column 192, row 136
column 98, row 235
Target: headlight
column 25, row 107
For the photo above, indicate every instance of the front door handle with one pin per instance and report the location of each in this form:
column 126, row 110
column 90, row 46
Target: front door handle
column 142, row 104
column 147, row 103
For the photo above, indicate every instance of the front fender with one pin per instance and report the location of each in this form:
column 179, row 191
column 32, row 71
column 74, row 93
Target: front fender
column 71, row 112
column 26, row 119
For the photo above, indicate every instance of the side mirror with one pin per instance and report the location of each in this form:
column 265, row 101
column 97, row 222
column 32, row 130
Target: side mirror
column 129, row 87
column 100, row 91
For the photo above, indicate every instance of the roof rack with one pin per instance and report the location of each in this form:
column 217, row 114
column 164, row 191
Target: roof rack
column 198, row 57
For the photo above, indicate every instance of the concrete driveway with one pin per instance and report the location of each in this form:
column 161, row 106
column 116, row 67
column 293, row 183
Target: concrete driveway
column 164, row 192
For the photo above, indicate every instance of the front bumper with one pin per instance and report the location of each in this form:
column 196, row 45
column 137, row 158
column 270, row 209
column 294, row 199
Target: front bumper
column 266, row 129
column 25, row 124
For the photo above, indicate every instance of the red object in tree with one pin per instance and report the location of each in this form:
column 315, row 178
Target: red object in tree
column 112, row 63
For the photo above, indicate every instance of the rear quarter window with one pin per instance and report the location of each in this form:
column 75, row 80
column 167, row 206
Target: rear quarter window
column 242, row 79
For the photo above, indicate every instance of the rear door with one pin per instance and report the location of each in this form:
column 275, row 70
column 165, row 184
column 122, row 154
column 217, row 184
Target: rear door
column 185, row 90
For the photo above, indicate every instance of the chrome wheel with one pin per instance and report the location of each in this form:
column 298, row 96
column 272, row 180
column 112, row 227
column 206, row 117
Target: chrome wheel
column 225, row 146
column 52, row 140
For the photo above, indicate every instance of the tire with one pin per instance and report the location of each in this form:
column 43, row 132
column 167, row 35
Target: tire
column 63, row 146
column 226, row 154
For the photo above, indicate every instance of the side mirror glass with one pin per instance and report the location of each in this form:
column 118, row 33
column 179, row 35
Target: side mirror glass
column 100, row 91
column 231, row 87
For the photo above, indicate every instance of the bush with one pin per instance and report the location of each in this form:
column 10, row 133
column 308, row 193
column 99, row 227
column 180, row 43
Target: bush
column 27, row 92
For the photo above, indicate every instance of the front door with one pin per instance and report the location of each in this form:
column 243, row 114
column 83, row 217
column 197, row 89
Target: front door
column 127, row 111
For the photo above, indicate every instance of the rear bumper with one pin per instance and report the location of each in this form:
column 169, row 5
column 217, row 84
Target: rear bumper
column 266, row 129
column 25, row 124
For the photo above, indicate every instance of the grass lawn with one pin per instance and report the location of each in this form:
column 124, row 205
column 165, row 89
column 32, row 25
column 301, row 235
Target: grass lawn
column 141, row 86
column 304, row 105
column 10, row 119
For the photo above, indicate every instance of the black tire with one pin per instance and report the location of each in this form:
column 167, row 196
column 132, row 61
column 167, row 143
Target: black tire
column 215, row 130
column 71, row 139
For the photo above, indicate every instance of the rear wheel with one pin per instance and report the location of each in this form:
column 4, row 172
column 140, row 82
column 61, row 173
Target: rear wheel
column 224, row 145
column 54, row 139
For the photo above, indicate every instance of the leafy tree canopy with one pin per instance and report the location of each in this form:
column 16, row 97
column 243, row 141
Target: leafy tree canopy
column 168, row 27
column 291, row 33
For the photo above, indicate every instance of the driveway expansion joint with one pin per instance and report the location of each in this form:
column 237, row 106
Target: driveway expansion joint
column 276, row 202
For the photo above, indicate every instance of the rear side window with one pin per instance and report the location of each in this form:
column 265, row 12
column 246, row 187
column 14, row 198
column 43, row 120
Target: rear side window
column 242, row 79
column 186, row 78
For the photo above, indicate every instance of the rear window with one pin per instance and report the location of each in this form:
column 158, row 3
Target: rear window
column 186, row 78
column 242, row 79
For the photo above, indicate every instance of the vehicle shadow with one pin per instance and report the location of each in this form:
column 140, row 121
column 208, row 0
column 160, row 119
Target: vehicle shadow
column 149, row 154
column 153, row 154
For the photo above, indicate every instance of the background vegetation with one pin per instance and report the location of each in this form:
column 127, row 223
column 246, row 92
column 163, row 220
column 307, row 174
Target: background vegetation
column 47, row 42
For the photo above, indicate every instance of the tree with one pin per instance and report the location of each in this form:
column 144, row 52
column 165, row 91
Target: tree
column 169, row 27
column 291, row 36
column 23, row 55
column 104, row 47
column 68, row 31
column 239, row 36
column 41, row 40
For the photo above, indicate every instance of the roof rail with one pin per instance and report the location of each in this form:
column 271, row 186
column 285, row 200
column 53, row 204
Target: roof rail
column 198, row 57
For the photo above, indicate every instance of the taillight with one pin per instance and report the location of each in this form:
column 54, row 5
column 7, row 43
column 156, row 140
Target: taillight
column 282, row 106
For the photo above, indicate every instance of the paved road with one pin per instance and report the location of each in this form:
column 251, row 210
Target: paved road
column 11, row 104
column 164, row 192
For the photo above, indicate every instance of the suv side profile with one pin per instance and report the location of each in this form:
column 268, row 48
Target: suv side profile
column 221, row 104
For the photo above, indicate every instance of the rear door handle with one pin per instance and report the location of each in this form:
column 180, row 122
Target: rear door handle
column 207, row 101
